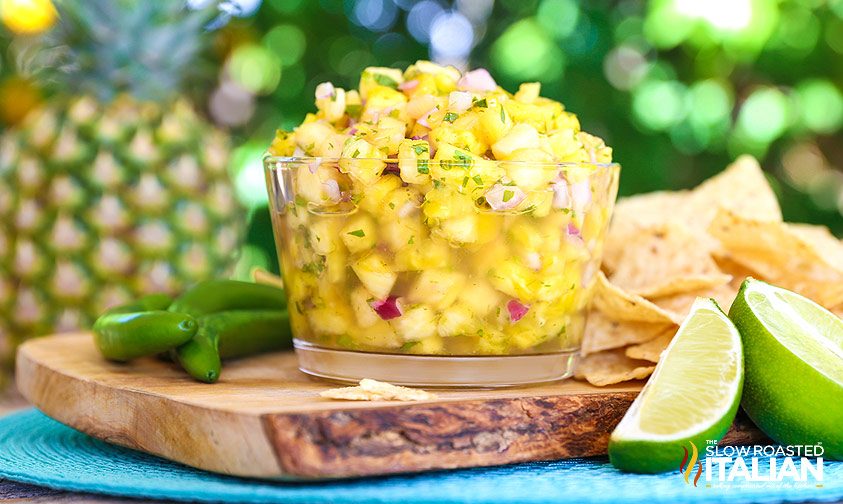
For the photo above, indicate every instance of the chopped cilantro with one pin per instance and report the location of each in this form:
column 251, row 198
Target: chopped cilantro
column 392, row 205
column 465, row 181
column 507, row 195
column 411, row 240
column 420, row 149
column 353, row 109
column 478, row 179
column 358, row 233
column 356, row 198
column 422, row 166
column 300, row 201
column 450, row 117
column 356, row 153
column 408, row 345
column 463, row 158
column 481, row 103
column 385, row 80
column 503, row 115
column 437, row 183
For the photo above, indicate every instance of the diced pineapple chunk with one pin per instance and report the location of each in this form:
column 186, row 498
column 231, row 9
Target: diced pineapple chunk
column 374, row 77
column 461, row 230
column 330, row 101
column 414, row 161
column 522, row 136
column 431, row 345
column 373, row 196
column 437, row 288
column 531, row 169
column 328, row 321
column 480, row 297
column 363, row 312
column 417, row 322
column 336, row 264
column 514, row 279
column 495, row 123
column 398, row 233
column 460, row 138
column 389, row 134
column 422, row 254
column 362, row 161
column 311, row 136
column 324, row 234
column 377, row 336
column 359, row 233
column 375, row 274
column 528, row 92
column 492, row 342
column 455, row 321
column 446, row 203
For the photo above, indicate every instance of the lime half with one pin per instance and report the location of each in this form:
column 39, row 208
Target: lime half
column 794, row 366
column 691, row 398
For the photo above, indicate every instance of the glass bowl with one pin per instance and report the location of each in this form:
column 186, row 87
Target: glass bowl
column 439, row 273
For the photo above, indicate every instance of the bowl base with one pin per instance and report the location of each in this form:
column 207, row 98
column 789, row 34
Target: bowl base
column 348, row 366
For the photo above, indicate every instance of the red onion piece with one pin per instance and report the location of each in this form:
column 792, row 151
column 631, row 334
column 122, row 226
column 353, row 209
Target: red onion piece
column 573, row 234
column 408, row 85
column 533, row 260
column 423, row 119
column 516, row 309
column 298, row 152
column 459, row 101
column 477, row 80
column 332, row 189
column 325, row 90
column 560, row 194
column 501, row 197
column 314, row 165
column 387, row 309
column 581, row 194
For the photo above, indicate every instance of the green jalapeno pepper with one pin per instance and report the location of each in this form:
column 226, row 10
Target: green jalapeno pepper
column 214, row 296
column 232, row 334
column 150, row 302
column 124, row 335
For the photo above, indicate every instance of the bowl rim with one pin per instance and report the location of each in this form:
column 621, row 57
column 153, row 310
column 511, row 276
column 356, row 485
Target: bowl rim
column 269, row 160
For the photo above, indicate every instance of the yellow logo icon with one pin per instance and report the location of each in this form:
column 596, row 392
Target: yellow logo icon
column 687, row 466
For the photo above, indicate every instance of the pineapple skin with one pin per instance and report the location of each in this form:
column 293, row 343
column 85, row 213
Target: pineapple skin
column 103, row 202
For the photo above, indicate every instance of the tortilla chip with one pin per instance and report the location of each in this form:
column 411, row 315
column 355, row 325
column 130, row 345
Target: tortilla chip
column 373, row 390
column 741, row 188
column 650, row 350
column 603, row 333
column 617, row 304
column 612, row 366
column 738, row 271
column 785, row 245
column 635, row 213
column 789, row 256
column 666, row 260
column 681, row 303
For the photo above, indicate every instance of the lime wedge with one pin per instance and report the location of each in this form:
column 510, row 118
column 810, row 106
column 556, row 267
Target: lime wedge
column 691, row 398
column 794, row 366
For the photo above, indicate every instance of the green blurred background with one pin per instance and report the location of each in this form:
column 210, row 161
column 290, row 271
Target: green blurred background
column 677, row 87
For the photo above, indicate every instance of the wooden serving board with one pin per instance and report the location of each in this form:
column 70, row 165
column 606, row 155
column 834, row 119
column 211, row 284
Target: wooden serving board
column 265, row 419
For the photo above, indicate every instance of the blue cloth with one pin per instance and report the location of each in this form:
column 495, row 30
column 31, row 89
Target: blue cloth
column 35, row 449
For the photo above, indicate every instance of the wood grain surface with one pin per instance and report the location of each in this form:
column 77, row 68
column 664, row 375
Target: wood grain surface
column 265, row 419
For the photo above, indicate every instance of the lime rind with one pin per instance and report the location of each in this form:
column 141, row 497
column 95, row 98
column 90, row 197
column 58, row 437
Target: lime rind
column 805, row 328
column 787, row 397
column 680, row 389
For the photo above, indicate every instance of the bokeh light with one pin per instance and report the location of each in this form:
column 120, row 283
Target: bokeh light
column 525, row 52
column 820, row 106
column 764, row 116
column 288, row 42
column 256, row 68
column 658, row 104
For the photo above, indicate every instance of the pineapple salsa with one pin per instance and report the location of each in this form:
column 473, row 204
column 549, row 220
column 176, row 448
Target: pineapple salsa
column 432, row 212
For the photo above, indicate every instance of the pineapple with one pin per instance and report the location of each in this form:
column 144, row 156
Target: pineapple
column 115, row 187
